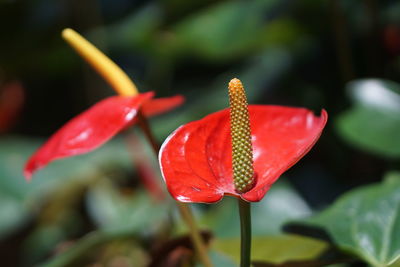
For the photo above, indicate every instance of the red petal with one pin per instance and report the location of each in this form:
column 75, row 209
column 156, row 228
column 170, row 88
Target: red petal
column 196, row 159
column 88, row 130
column 160, row 105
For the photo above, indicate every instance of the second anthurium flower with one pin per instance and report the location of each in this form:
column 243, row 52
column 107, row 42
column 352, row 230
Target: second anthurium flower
column 239, row 151
column 105, row 119
column 97, row 125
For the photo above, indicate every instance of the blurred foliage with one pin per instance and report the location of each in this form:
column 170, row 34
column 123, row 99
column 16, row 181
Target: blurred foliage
column 92, row 210
column 283, row 204
column 22, row 199
column 373, row 123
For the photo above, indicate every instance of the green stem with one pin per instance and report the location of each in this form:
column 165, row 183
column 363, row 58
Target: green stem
column 144, row 125
column 184, row 209
column 245, row 232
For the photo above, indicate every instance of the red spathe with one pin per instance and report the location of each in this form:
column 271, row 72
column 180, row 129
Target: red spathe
column 196, row 159
column 97, row 125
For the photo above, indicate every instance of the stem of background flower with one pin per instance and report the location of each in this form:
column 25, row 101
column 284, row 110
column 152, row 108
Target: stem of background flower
column 121, row 83
column 144, row 125
column 195, row 235
column 184, row 208
column 148, row 176
column 245, row 232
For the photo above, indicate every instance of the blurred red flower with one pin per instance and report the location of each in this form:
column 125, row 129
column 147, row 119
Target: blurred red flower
column 12, row 98
column 196, row 159
column 97, row 125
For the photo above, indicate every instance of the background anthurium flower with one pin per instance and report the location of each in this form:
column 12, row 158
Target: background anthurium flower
column 97, row 125
column 196, row 159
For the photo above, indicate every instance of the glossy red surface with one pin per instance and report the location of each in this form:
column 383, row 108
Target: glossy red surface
column 196, row 159
column 88, row 130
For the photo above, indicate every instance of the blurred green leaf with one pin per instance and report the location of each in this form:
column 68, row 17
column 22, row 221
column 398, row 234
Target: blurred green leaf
column 376, row 93
column 20, row 199
column 136, row 29
column 226, row 30
column 222, row 29
column 281, row 204
column 371, row 130
column 392, row 13
column 41, row 241
column 274, row 249
column 115, row 211
column 13, row 213
column 219, row 259
column 373, row 123
column 14, row 151
column 366, row 222
column 86, row 246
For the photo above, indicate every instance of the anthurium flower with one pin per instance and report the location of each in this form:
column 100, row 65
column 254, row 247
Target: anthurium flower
column 102, row 121
column 197, row 159
column 95, row 126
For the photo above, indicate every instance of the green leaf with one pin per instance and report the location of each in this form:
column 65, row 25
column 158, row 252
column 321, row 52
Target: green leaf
column 20, row 199
column 219, row 259
column 226, row 30
column 274, row 249
column 14, row 152
column 373, row 123
column 366, row 222
column 114, row 211
column 281, row 204
column 13, row 212
column 378, row 93
column 85, row 246
column 136, row 29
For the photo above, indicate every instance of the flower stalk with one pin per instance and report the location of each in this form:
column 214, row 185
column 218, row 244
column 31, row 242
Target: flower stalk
column 124, row 86
column 245, row 232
